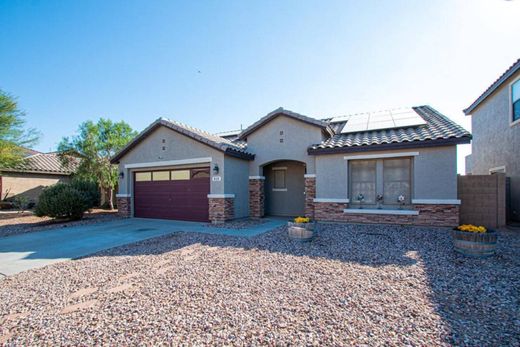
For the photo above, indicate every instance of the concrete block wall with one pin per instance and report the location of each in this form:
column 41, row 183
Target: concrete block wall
column 483, row 200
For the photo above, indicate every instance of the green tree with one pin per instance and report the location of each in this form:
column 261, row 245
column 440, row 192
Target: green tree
column 95, row 144
column 13, row 134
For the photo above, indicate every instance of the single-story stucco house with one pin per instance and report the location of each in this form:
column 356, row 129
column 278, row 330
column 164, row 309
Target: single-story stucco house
column 393, row 166
column 36, row 171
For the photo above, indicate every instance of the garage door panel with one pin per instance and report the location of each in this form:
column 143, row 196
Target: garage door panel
column 184, row 199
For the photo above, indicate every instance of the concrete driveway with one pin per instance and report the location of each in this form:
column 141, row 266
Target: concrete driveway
column 32, row 250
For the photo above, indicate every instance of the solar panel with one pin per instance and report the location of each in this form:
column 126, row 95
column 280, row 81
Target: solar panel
column 388, row 119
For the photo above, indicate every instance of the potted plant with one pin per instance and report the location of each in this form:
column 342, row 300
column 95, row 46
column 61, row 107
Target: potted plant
column 379, row 200
column 302, row 229
column 360, row 199
column 474, row 241
column 401, row 200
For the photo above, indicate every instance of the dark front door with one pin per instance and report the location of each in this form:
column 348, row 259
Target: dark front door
column 172, row 194
column 285, row 188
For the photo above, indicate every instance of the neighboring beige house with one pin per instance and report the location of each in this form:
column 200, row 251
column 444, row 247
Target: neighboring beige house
column 495, row 121
column 37, row 171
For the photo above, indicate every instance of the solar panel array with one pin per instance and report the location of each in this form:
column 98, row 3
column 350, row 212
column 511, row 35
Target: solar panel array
column 388, row 119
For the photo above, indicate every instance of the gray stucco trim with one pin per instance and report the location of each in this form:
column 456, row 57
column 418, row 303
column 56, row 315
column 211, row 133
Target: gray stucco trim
column 377, row 211
column 168, row 163
column 257, row 177
column 221, row 196
column 342, row 201
column 436, row 201
column 381, row 155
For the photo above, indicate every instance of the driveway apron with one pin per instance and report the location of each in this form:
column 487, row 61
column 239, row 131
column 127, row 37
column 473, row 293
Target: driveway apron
column 37, row 249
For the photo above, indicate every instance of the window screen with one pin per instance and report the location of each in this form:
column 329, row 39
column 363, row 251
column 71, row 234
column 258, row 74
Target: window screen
column 279, row 179
column 515, row 99
column 363, row 180
column 161, row 175
column 143, row 176
column 396, row 180
column 178, row 175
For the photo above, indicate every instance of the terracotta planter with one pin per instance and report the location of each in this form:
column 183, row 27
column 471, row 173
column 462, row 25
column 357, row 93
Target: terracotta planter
column 301, row 231
column 479, row 245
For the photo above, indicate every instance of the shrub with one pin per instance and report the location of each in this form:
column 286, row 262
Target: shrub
column 89, row 189
column 21, row 203
column 61, row 201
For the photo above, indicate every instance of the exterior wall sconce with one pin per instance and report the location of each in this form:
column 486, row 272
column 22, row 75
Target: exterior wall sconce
column 121, row 175
column 216, row 169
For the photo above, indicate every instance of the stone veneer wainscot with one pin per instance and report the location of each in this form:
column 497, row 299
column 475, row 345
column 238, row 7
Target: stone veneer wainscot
column 256, row 196
column 124, row 207
column 221, row 208
column 429, row 215
column 310, row 195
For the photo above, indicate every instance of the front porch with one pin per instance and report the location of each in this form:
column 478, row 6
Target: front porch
column 284, row 189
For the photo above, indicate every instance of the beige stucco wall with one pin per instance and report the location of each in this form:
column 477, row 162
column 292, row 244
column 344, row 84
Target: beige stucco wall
column 298, row 136
column 233, row 172
column 236, row 181
column 434, row 173
column 28, row 184
column 496, row 142
column 177, row 147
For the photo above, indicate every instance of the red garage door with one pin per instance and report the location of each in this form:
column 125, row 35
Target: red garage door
column 172, row 194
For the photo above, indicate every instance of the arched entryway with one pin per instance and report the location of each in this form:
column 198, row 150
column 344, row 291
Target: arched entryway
column 284, row 188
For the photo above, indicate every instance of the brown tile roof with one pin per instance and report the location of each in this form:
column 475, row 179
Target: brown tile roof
column 508, row 73
column 212, row 140
column 438, row 130
column 49, row 163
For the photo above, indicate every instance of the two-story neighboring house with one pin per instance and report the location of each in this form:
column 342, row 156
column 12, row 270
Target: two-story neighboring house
column 495, row 120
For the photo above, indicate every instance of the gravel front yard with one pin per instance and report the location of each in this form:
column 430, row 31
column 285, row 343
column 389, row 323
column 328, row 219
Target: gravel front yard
column 12, row 223
column 354, row 284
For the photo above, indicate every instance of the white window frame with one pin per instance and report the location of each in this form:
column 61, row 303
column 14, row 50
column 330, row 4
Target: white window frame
column 511, row 121
column 412, row 155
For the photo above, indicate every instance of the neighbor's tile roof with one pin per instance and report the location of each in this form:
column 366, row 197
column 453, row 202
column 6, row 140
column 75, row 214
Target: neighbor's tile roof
column 438, row 127
column 45, row 163
column 509, row 72
column 202, row 136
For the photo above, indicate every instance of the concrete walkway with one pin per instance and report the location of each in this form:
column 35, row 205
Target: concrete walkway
column 32, row 250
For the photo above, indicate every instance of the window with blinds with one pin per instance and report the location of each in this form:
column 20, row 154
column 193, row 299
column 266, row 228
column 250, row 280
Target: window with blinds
column 515, row 101
column 396, row 180
column 389, row 178
column 363, row 181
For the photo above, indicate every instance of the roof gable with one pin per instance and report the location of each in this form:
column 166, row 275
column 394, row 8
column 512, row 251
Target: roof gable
column 506, row 75
column 281, row 112
column 214, row 141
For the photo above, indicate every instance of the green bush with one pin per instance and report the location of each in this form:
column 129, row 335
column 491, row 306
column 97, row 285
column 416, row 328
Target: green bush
column 62, row 201
column 89, row 189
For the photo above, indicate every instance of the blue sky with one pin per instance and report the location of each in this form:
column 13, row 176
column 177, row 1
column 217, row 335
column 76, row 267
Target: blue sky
column 71, row 61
